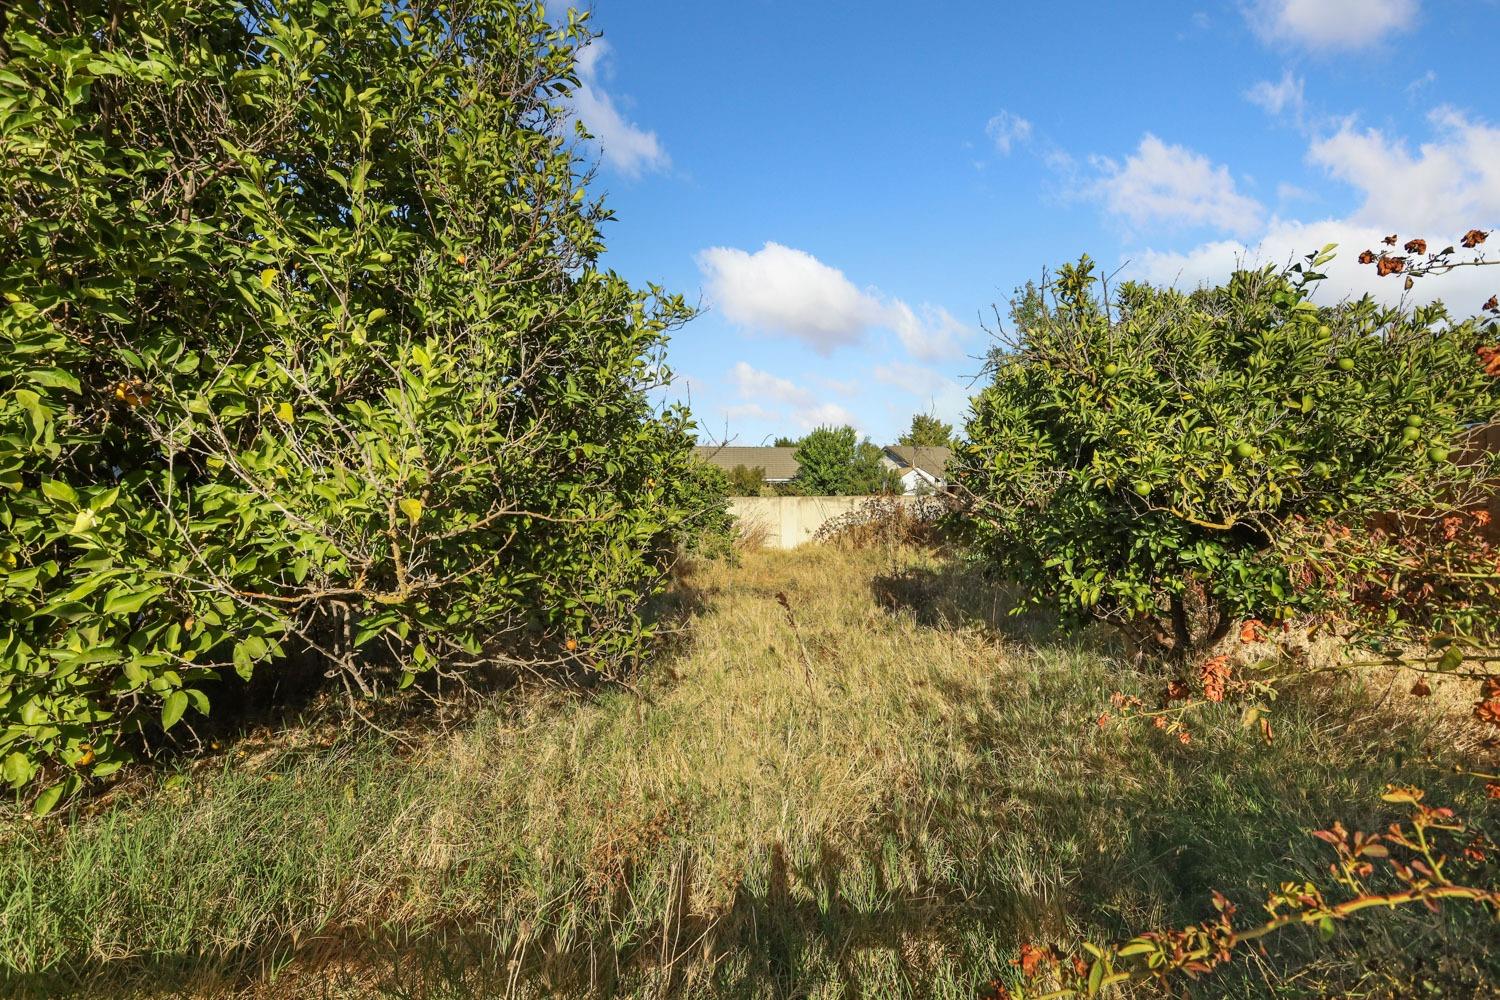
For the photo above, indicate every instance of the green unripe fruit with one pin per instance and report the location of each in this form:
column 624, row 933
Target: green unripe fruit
column 1414, row 421
column 1325, row 330
column 1322, row 469
column 1243, row 450
column 1142, row 487
column 1111, row 370
column 1438, row 454
column 1410, row 434
column 1346, row 364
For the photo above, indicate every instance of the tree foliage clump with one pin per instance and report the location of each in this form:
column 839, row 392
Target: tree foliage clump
column 927, row 431
column 833, row 461
column 1152, row 459
column 746, row 481
column 304, row 348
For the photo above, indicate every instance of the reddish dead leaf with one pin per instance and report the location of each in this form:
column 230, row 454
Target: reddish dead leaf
column 1488, row 712
column 1250, row 631
column 1390, row 265
column 1390, row 240
column 1214, row 674
column 1416, row 246
column 1420, row 689
column 1032, row 958
column 1474, row 237
column 1368, row 257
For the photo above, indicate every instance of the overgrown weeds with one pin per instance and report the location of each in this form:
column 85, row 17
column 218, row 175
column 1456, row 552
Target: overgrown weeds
column 882, row 802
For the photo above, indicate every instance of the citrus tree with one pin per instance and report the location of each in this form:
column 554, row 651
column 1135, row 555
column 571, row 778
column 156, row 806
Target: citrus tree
column 305, row 350
column 1138, row 458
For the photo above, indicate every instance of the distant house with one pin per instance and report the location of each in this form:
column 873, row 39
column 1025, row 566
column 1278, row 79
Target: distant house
column 779, row 465
column 922, row 469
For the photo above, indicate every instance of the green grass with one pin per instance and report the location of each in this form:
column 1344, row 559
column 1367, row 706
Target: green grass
column 884, row 802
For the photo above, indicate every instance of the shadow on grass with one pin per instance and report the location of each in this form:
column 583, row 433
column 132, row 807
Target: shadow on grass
column 1046, row 827
column 954, row 594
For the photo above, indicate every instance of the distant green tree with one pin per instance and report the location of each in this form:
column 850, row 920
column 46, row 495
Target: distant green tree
column 868, row 474
column 786, row 442
column 927, row 431
column 745, row 481
column 833, row 461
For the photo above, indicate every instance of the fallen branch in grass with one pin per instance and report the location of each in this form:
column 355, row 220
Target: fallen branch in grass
column 1411, row 853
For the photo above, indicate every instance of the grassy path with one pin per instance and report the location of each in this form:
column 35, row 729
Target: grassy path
column 882, row 801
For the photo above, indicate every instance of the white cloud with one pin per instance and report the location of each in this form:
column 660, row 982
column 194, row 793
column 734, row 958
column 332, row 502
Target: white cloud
column 933, row 334
column 1165, row 184
column 780, row 289
column 1447, row 186
column 752, row 383
column 625, row 146
column 1286, row 95
column 915, row 379
column 1290, row 192
column 1329, row 24
column 748, row 411
column 943, row 397
column 774, row 399
column 826, row 415
column 1007, row 130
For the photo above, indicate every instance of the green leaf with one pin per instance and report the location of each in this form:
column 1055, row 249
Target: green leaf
column 127, row 599
column 1096, row 976
column 412, row 509
column 47, row 801
column 17, row 769
column 268, row 277
column 57, row 490
column 56, row 378
column 172, row 708
column 243, row 664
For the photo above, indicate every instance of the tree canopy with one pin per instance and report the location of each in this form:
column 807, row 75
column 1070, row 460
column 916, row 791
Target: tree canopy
column 927, row 431
column 833, row 461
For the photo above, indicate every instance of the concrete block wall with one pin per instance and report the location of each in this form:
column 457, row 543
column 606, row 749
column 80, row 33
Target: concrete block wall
column 790, row 521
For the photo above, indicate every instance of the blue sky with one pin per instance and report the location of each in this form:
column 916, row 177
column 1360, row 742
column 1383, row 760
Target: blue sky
column 848, row 188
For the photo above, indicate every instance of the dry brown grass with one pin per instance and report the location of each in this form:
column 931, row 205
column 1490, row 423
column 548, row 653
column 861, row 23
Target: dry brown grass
column 879, row 794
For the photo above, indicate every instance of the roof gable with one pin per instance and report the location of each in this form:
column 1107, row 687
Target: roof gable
column 933, row 461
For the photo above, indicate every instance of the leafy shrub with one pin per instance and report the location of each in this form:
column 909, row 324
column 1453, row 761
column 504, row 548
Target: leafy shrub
column 1140, row 461
column 304, row 348
column 833, row 461
column 702, row 491
column 745, row 481
column 889, row 520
